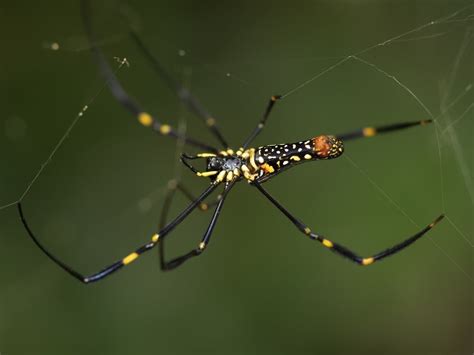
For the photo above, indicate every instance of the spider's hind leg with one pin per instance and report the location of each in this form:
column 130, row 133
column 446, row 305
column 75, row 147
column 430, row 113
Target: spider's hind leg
column 339, row 249
column 371, row 131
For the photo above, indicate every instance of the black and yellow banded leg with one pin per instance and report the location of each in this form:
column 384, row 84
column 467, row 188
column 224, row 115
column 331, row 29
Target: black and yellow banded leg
column 184, row 159
column 341, row 250
column 373, row 131
column 176, row 185
column 127, row 259
column 148, row 120
column 190, row 101
column 262, row 122
column 175, row 262
column 173, row 186
column 123, row 97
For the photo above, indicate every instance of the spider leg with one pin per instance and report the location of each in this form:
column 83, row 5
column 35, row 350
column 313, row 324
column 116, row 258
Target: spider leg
column 191, row 103
column 263, row 120
column 372, row 131
column 176, row 185
column 173, row 187
column 339, row 249
column 186, row 164
column 184, row 158
column 122, row 96
column 130, row 257
column 175, row 262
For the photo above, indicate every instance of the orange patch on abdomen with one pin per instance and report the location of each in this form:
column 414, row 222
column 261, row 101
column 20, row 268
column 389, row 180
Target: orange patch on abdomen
column 322, row 146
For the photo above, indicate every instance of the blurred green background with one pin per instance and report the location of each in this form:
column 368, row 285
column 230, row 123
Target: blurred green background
column 260, row 288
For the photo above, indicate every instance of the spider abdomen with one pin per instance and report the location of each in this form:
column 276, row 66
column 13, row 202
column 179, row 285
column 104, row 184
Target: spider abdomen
column 272, row 158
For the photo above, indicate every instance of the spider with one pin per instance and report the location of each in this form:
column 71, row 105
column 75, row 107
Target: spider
column 224, row 167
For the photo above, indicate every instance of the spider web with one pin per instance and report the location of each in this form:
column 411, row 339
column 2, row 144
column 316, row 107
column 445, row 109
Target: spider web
column 444, row 121
column 455, row 108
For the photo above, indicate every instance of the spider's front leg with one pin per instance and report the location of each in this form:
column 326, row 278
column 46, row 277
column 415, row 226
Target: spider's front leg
column 174, row 263
column 185, row 157
column 173, row 187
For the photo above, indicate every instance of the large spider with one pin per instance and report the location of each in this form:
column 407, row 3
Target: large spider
column 225, row 167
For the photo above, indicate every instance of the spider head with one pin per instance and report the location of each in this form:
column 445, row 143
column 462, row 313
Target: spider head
column 327, row 147
column 215, row 163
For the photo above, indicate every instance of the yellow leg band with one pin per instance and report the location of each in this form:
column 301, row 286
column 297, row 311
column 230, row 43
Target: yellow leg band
column 367, row 261
column 327, row 243
column 165, row 129
column 210, row 121
column 145, row 119
column 128, row 259
column 369, row 132
column 207, row 173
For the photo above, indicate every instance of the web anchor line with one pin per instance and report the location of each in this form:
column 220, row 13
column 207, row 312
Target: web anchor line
column 440, row 20
column 63, row 138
